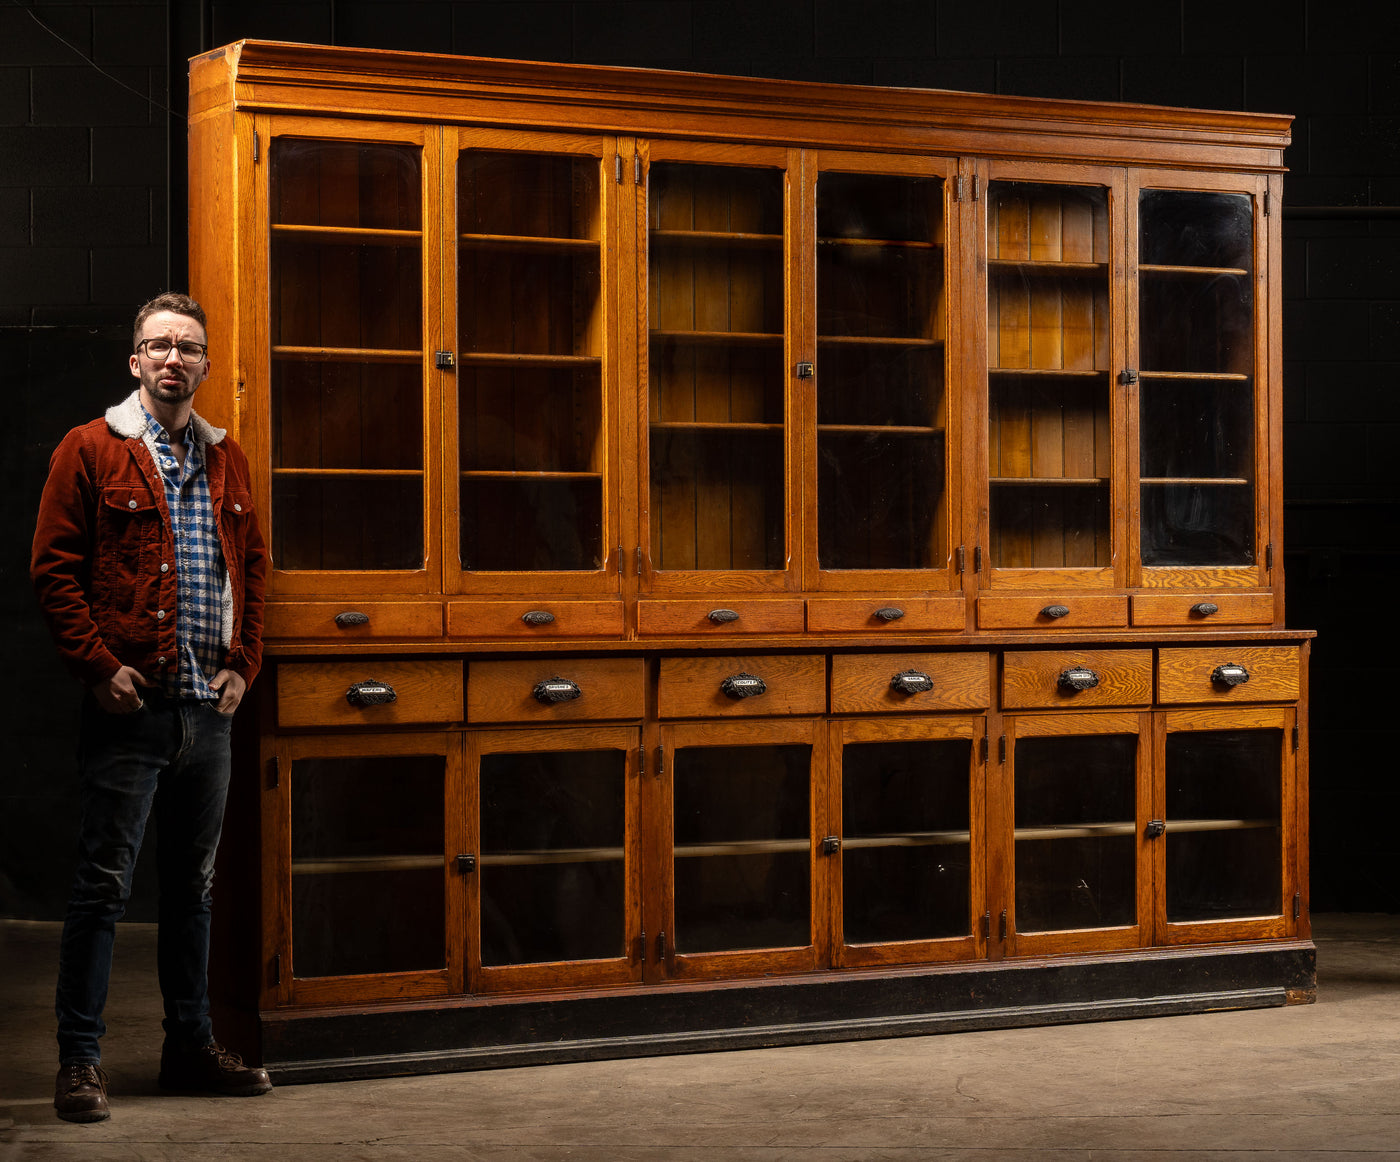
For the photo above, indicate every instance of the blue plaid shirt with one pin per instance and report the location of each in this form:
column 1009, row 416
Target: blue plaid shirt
column 199, row 565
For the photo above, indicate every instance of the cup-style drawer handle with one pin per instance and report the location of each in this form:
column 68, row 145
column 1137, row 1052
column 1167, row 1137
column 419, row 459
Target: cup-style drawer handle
column 889, row 613
column 1055, row 611
column 1078, row 678
column 537, row 617
column 1205, row 608
column 743, row 685
column 720, row 616
column 1230, row 674
column 911, row 682
column 351, row 617
column 370, row 693
column 553, row 690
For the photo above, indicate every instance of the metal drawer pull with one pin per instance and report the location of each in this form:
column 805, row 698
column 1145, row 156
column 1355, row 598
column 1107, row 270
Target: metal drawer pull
column 1156, row 828
column 1078, row 678
column 553, row 690
column 1055, row 611
column 370, row 693
column 537, row 617
column 351, row 617
column 889, row 613
column 1205, row 608
column 1230, row 674
column 720, row 616
column 743, row 685
column 911, row 682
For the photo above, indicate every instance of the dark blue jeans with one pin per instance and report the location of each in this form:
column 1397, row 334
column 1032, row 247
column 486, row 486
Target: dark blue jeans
column 171, row 757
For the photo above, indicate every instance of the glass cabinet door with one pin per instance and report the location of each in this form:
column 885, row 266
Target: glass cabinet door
column 1200, row 455
column 349, row 279
column 370, row 888
column 912, row 876
column 1227, row 810
column 552, row 824
column 883, row 470
column 717, row 406
column 532, row 486
column 741, row 886
column 1078, row 798
column 1053, row 334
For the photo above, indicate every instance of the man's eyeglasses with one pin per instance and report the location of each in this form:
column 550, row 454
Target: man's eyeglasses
column 159, row 349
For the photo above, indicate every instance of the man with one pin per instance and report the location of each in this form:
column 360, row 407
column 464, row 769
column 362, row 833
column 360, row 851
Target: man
column 149, row 568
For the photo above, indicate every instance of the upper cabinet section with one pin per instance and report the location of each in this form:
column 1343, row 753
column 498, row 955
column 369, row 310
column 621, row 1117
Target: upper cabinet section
column 556, row 351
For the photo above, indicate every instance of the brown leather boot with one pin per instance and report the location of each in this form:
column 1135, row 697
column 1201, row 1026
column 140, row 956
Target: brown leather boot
column 80, row 1093
column 211, row 1069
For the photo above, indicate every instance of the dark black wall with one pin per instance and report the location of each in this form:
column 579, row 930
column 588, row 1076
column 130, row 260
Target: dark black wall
column 92, row 224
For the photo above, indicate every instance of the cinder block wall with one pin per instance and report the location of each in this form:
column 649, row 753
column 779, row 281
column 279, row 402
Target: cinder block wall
column 92, row 222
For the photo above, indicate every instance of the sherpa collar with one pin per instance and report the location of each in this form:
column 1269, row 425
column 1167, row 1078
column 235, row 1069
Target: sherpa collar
column 129, row 421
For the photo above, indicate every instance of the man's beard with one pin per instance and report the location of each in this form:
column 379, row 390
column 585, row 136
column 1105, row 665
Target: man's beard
column 176, row 392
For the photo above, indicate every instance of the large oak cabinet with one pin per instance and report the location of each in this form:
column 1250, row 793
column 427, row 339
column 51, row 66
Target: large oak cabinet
column 752, row 561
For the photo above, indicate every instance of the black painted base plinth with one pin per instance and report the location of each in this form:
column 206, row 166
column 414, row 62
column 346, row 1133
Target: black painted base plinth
column 473, row 1033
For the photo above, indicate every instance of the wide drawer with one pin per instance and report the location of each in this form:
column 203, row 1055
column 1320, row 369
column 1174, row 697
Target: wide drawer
column 555, row 689
column 870, row 615
column 1059, row 611
column 729, row 687
column 1204, row 609
column 369, row 693
column 525, row 619
column 1039, row 678
column 351, row 620
column 710, row 618
column 877, row 683
column 1228, row 674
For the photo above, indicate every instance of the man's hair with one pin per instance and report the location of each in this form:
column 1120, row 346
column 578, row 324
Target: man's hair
column 172, row 301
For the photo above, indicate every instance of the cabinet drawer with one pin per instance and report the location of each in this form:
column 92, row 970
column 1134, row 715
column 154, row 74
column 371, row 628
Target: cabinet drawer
column 865, row 683
column 1032, row 678
column 1196, row 609
column 318, row 693
column 1190, row 674
column 695, row 687
column 543, row 689
column 540, row 619
column 1081, row 611
column 711, row 618
column 358, row 619
column 868, row 615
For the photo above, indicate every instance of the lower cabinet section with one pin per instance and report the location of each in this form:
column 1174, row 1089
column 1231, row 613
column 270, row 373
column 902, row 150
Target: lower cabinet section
column 595, row 856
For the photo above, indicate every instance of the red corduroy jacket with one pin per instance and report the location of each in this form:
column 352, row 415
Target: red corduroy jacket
column 103, row 564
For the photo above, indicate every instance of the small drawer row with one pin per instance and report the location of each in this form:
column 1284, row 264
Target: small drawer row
column 523, row 620
column 425, row 691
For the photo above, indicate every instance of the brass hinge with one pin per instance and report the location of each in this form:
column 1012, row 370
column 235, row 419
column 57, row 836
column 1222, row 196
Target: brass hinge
column 274, row 772
column 1297, row 904
column 1296, row 739
column 637, row 169
column 1002, row 926
column 621, row 562
column 961, row 557
column 959, row 188
column 257, row 147
column 661, row 946
column 639, row 560
column 618, row 168
column 660, row 761
column 977, row 559
column 641, row 953
column 1266, row 203
column 1001, row 749
column 985, row 748
column 274, row 969
column 976, row 187
column 1269, row 558
column 642, row 761
column 986, row 925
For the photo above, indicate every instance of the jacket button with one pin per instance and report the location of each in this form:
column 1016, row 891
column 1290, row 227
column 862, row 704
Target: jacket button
column 160, row 661
column 165, row 568
column 160, row 615
column 237, row 508
column 130, row 504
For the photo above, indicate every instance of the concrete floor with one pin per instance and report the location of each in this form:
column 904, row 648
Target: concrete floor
column 1309, row 1082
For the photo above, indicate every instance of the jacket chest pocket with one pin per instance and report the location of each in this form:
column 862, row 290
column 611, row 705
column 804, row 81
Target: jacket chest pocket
column 128, row 547
column 234, row 514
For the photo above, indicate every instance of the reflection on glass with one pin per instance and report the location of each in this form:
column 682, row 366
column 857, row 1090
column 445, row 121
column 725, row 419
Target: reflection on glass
column 1196, row 327
column 715, row 367
column 1076, row 832
column 367, row 865
column 1224, row 842
column 529, row 382
column 905, row 846
column 553, row 872
column 881, row 325
column 1049, row 354
column 347, row 362
column 742, row 845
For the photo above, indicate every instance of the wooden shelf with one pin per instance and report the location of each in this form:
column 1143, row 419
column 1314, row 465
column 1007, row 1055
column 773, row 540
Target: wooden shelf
column 523, row 359
column 745, row 847
column 347, row 235
column 553, row 855
column 347, row 471
column 346, row 355
column 537, row 243
column 716, row 238
column 714, row 338
column 1211, row 376
column 1200, row 271
column 1050, row 372
column 875, row 341
column 1169, row 480
column 511, row 474
column 881, row 244
column 711, row 426
column 1040, row 267
column 1041, row 481
column 1109, row 830
column 877, row 429
column 906, row 839
column 367, row 863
